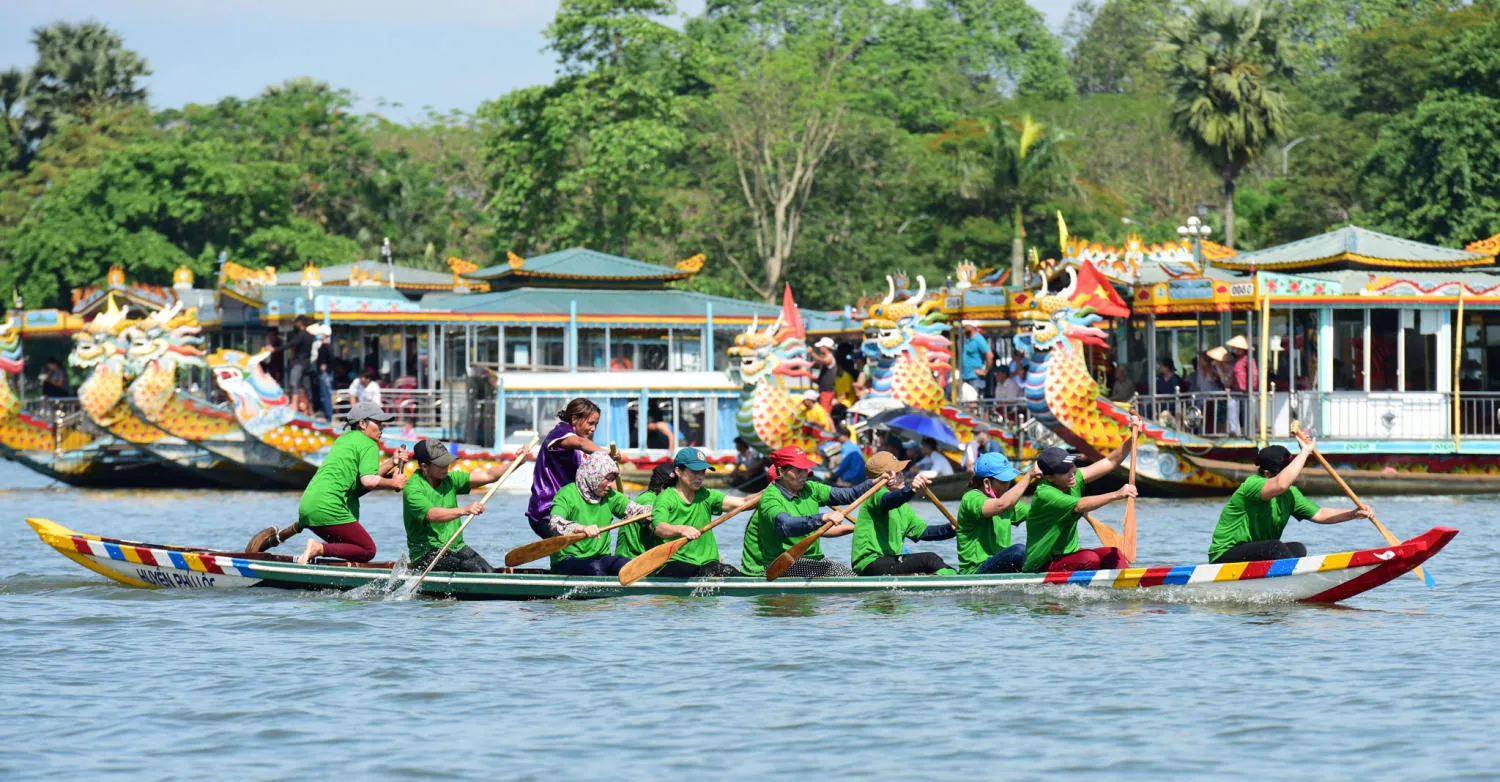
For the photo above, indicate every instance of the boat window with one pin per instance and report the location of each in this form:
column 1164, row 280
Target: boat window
column 1479, row 369
column 692, row 422
column 551, row 350
column 1420, row 350
column 518, row 352
column 1384, row 325
column 520, row 414
column 653, row 356
column 1349, row 350
column 591, row 351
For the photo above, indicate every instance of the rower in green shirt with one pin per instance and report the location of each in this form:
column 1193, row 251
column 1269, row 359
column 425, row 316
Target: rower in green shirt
column 1052, row 523
column 586, row 505
column 330, row 503
column 889, row 521
column 683, row 510
column 788, row 512
column 1251, row 523
column 633, row 540
column 430, row 511
column 988, row 510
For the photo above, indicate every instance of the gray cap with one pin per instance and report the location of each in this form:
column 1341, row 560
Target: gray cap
column 432, row 451
column 369, row 410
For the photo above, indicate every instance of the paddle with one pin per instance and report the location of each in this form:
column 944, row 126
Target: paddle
column 1128, row 549
column 270, row 537
column 780, row 565
column 648, row 563
column 614, row 453
column 1390, row 540
column 546, row 547
column 520, row 460
column 1107, row 534
column 927, row 490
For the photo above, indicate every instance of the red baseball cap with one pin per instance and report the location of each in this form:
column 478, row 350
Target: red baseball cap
column 792, row 456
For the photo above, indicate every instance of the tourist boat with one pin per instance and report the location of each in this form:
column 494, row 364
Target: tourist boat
column 1324, row 578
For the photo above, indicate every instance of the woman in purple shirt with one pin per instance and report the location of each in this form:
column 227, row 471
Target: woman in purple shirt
column 557, row 462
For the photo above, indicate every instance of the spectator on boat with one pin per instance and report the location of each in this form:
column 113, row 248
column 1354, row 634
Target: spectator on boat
column 683, row 511
column 978, row 359
column 933, row 463
column 813, row 412
column 851, row 467
column 843, row 387
column 988, row 510
column 887, row 521
column 558, row 459
column 1251, row 524
column 892, row 445
column 912, row 454
column 408, row 430
column 1052, row 523
column 659, row 434
column 299, row 353
column 585, row 505
column 1242, row 381
column 330, row 503
column 1210, row 387
column 789, row 512
column 1008, row 385
column 431, row 514
column 1168, row 384
column 275, row 363
column 365, row 388
column 323, row 361
column 1123, row 389
column 977, row 447
column 620, row 364
column 632, row 540
column 746, row 461
column 55, row 379
column 827, row 371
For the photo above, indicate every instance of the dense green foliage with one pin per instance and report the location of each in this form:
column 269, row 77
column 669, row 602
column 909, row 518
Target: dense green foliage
column 823, row 143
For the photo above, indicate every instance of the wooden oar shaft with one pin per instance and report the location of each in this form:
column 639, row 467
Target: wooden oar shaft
column 652, row 559
column 546, row 547
column 614, row 453
column 781, row 563
column 1128, row 549
column 520, row 459
column 927, row 490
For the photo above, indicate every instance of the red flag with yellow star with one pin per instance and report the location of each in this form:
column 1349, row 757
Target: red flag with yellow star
column 1094, row 290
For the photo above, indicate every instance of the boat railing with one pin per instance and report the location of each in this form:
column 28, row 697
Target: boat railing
column 1212, row 414
column 1350, row 415
column 460, row 411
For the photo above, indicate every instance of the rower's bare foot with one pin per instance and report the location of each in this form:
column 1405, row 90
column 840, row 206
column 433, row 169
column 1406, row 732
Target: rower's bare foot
column 314, row 549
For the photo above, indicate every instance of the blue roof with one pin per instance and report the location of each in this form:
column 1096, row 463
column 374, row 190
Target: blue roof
column 582, row 264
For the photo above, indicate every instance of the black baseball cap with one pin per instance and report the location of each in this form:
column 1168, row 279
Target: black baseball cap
column 1055, row 461
column 1273, row 458
column 433, row 451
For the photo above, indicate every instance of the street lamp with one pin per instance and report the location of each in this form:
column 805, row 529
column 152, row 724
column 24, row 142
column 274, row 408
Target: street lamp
column 1196, row 231
column 390, row 264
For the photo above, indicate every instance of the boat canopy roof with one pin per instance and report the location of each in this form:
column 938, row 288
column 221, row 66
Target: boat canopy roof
column 1352, row 247
column 580, row 266
column 631, row 383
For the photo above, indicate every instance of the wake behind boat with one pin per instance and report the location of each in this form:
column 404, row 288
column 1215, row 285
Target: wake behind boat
column 1325, row 578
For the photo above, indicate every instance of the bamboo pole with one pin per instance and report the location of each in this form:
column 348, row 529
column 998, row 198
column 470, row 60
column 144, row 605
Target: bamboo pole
column 1458, row 360
column 1265, row 351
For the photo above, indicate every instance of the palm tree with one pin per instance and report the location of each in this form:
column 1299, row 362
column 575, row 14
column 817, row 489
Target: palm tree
column 1030, row 167
column 1221, row 62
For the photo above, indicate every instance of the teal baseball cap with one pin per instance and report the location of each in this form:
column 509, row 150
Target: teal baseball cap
column 691, row 458
column 995, row 465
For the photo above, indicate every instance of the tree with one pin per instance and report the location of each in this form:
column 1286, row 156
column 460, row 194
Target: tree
column 1222, row 64
column 1111, row 44
column 80, row 69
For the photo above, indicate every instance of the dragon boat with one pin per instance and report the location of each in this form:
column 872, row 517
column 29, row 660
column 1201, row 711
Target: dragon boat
column 1324, row 578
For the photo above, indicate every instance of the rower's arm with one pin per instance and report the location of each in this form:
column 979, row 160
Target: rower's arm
column 443, row 515
column 1103, row 467
column 843, row 495
column 1008, row 500
column 1331, row 516
column 942, row 531
column 1091, row 504
column 1277, row 486
column 734, row 503
column 576, row 443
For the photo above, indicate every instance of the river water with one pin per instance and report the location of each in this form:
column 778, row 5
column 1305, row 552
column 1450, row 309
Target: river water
column 99, row 680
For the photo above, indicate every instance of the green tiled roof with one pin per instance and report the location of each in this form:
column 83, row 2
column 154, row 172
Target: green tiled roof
column 1337, row 248
column 339, row 274
column 580, row 265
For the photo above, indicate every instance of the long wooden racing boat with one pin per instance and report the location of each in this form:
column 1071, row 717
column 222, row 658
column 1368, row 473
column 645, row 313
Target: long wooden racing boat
column 1325, row 578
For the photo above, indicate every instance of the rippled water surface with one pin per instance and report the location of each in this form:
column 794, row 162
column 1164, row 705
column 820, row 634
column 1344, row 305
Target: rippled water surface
column 101, row 680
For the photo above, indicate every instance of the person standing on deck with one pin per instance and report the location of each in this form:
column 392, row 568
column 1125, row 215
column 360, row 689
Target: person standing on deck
column 330, row 504
column 988, row 510
column 851, row 469
column 557, row 461
column 430, row 512
column 683, row 511
column 828, row 372
column 788, row 512
column 1052, row 523
column 633, row 540
column 1251, row 523
column 977, row 361
column 889, row 521
column 586, row 505
column 1243, row 382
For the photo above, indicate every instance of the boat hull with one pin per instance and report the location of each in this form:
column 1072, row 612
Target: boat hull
column 1322, row 578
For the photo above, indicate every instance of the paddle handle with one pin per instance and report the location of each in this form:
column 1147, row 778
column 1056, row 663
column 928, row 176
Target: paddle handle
column 927, row 490
column 614, row 453
column 546, row 547
column 1128, row 547
column 520, row 459
column 780, row 565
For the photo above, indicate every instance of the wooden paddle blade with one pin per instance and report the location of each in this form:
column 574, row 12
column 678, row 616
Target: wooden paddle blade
column 261, row 541
column 537, row 549
column 1390, row 539
column 649, row 562
column 781, row 563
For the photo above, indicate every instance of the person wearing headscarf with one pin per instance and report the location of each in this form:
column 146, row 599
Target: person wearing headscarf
column 585, row 505
column 1250, row 526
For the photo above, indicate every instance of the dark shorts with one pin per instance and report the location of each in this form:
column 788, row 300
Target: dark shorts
column 677, row 569
column 465, row 560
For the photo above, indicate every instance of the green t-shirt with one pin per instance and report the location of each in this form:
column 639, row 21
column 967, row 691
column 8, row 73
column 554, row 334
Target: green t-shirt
column 332, row 496
column 980, row 538
column 880, row 533
column 632, row 540
column 570, row 504
column 1052, row 524
column 419, row 496
column 670, row 508
column 1247, row 517
column 763, row 544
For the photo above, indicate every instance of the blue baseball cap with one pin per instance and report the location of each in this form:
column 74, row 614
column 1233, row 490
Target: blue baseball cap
column 691, row 458
column 995, row 465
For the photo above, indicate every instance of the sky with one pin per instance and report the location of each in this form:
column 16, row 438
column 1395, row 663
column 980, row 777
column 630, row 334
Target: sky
column 445, row 54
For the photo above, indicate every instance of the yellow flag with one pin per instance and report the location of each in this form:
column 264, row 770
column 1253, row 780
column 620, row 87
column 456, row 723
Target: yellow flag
column 1062, row 233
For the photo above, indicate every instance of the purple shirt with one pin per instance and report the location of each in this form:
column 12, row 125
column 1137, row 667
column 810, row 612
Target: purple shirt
column 556, row 467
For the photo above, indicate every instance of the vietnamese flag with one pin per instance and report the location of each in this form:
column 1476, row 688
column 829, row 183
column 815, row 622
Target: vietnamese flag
column 1094, row 290
column 791, row 318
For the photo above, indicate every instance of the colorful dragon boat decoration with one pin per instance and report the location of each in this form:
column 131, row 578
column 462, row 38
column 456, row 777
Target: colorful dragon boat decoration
column 771, row 413
column 1062, row 396
column 908, row 353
